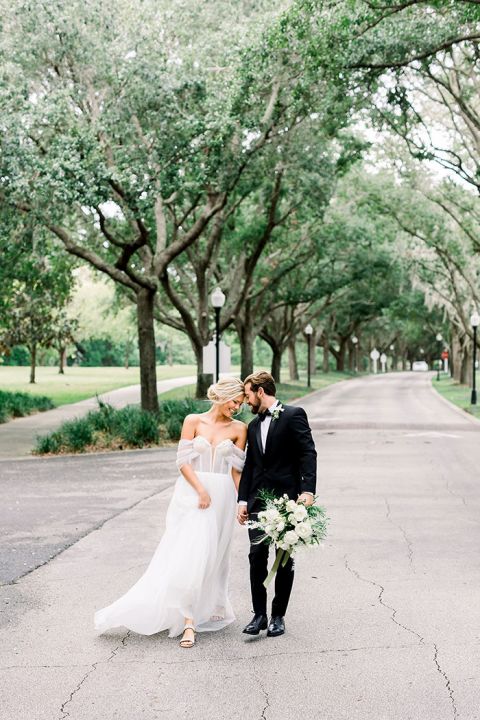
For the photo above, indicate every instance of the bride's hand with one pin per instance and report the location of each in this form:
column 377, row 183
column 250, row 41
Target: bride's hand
column 204, row 500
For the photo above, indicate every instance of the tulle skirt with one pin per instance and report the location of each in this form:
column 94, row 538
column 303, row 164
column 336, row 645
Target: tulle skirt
column 188, row 573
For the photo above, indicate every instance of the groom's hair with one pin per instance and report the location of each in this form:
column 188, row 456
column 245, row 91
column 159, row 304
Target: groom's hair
column 262, row 379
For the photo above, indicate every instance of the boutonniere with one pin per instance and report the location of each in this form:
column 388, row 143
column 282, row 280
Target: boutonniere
column 276, row 413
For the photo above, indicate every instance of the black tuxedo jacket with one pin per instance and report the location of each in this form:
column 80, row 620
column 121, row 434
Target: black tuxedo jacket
column 289, row 464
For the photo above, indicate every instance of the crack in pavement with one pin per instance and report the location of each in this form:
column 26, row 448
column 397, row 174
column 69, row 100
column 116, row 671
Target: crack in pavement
column 405, row 536
column 382, row 602
column 249, row 658
column 421, row 639
column 447, row 682
column 267, row 700
column 65, row 713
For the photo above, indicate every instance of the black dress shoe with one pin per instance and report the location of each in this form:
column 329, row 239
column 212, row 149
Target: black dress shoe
column 258, row 622
column 276, row 626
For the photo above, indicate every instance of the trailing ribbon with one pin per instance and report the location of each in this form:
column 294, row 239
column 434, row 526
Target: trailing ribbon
column 282, row 556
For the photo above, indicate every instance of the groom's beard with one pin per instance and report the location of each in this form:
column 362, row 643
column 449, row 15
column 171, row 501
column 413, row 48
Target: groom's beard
column 255, row 409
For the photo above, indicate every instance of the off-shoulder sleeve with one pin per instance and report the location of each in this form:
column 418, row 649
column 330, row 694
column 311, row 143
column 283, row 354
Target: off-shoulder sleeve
column 237, row 458
column 185, row 453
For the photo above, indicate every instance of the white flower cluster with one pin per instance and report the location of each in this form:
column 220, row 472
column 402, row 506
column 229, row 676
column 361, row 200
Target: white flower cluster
column 290, row 525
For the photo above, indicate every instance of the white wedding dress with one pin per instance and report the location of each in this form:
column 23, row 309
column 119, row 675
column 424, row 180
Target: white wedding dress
column 188, row 573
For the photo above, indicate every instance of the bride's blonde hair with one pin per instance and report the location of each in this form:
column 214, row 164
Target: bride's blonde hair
column 225, row 389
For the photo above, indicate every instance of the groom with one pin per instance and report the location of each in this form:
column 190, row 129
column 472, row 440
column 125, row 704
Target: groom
column 281, row 458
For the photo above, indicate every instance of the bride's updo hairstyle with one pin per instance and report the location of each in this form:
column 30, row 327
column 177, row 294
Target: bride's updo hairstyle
column 225, row 389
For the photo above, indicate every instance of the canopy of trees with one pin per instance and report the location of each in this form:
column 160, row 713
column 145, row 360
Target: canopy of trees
column 317, row 161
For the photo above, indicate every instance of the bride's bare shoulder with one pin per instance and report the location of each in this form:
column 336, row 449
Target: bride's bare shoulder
column 240, row 428
column 189, row 426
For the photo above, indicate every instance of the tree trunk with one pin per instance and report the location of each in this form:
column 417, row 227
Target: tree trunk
column 246, row 338
column 326, row 352
column 341, row 356
column 204, row 380
column 455, row 360
column 33, row 362
column 292, row 361
column 62, row 357
column 276, row 362
column 466, row 376
column 313, row 356
column 146, row 346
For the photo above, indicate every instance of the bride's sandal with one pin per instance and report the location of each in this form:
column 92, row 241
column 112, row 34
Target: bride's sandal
column 187, row 643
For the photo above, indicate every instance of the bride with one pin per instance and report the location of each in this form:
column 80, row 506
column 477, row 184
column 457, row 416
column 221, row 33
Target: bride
column 185, row 586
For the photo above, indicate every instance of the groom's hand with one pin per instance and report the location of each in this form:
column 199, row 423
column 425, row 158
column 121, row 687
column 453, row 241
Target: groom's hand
column 242, row 514
column 306, row 499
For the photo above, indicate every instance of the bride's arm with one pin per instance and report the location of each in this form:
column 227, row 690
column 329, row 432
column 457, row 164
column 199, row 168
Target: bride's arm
column 188, row 433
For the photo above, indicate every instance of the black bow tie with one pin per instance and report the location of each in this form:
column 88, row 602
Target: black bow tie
column 263, row 415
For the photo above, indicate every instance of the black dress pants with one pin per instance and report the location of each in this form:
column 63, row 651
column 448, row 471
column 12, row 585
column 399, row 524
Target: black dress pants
column 258, row 557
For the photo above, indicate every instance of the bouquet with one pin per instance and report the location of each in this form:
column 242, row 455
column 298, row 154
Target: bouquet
column 289, row 526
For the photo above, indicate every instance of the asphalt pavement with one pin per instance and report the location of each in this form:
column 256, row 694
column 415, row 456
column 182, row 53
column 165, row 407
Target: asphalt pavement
column 383, row 623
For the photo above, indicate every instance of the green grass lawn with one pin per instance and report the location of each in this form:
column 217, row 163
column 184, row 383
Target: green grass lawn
column 458, row 394
column 80, row 383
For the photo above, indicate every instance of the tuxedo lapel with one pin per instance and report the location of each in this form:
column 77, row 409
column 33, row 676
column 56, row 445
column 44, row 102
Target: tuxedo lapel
column 258, row 434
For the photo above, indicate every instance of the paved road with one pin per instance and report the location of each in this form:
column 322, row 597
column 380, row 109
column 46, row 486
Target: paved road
column 383, row 624
column 18, row 437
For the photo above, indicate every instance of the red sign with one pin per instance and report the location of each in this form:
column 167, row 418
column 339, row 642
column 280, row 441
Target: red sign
column 445, row 355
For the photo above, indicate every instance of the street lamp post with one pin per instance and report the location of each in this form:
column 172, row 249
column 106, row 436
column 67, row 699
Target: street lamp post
column 217, row 298
column 439, row 339
column 474, row 322
column 355, row 352
column 308, row 333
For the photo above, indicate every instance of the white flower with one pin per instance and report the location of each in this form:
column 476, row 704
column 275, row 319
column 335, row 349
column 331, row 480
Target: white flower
column 291, row 519
column 262, row 516
column 291, row 537
column 303, row 530
column 285, row 496
column 300, row 513
column 291, row 505
column 280, row 526
column 276, row 413
column 272, row 515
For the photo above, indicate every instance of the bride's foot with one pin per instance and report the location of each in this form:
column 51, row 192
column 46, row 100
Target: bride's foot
column 188, row 637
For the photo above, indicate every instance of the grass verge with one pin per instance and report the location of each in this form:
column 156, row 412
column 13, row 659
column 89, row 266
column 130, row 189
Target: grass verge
column 457, row 394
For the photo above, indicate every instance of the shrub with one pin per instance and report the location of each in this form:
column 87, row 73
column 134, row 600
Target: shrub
column 77, row 434
column 18, row 404
column 172, row 413
column 103, row 419
column 131, row 425
column 49, row 444
column 135, row 426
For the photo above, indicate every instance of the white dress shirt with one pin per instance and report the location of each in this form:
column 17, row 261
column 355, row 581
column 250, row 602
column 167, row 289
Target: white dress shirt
column 266, row 424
